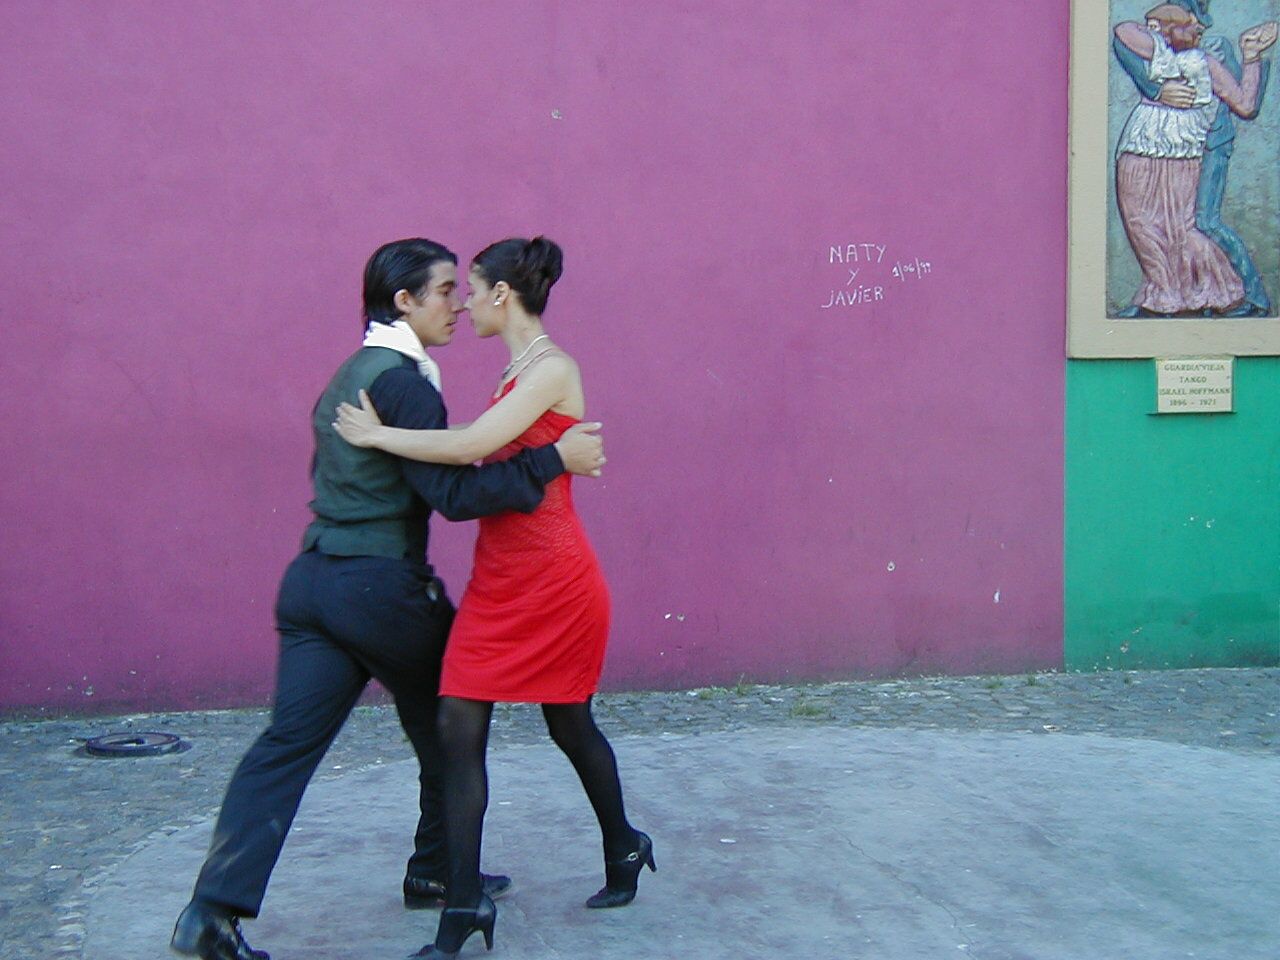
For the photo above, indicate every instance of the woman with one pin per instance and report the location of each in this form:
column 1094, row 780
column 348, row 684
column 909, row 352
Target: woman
column 533, row 621
column 1158, row 162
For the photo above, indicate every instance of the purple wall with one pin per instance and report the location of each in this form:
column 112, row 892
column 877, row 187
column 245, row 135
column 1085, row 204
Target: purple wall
column 190, row 196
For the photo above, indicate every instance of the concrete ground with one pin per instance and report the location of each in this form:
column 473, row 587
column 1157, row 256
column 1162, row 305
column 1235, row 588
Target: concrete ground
column 1051, row 816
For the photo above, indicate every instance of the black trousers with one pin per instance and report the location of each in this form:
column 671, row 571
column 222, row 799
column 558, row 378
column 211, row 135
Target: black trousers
column 341, row 620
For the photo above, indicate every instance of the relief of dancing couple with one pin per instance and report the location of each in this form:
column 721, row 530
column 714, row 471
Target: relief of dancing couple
column 361, row 601
column 1172, row 160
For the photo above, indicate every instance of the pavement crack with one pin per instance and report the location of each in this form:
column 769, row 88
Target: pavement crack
column 542, row 942
column 896, row 875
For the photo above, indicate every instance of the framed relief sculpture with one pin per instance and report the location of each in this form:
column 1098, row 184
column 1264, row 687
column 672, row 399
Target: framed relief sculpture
column 1175, row 179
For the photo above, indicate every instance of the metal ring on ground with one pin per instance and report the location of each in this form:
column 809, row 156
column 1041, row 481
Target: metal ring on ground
column 134, row 745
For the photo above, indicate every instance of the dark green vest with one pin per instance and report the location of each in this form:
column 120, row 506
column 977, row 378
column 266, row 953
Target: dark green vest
column 363, row 505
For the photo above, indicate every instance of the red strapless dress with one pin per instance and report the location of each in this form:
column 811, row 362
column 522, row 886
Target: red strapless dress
column 533, row 622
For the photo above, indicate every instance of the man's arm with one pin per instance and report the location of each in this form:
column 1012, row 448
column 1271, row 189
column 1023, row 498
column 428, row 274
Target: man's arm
column 1172, row 93
column 404, row 399
column 1136, row 68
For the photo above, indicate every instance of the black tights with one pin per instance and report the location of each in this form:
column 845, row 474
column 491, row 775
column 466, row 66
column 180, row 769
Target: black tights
column 464, row 736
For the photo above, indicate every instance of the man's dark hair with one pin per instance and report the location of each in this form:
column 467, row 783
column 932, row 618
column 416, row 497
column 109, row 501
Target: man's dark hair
column 399, row 265
column 529, row 266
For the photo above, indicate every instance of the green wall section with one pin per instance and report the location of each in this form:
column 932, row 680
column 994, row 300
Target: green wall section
column 1172, row 522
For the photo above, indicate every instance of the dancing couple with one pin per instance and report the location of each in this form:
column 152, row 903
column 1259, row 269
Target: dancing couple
column 1172, row 159
column 362, row 601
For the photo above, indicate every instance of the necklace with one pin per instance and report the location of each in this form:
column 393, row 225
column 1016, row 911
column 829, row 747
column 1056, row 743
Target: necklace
column 523, row 354
column 504, row 380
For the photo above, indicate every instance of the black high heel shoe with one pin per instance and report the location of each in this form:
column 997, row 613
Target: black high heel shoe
column 621, row 877
column 459, row 923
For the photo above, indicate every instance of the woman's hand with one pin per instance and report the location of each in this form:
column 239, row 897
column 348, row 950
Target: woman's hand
column 1257, row 40
column 359, row 427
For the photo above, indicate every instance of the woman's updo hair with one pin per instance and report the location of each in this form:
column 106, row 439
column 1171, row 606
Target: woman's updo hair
column 530, row 267
column 395, row 266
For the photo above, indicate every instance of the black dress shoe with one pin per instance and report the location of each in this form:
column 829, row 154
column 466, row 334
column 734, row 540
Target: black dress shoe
column 211, row 935
column 1245, row 309
column 423, row 894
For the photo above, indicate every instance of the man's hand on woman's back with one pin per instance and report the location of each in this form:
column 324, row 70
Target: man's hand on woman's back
column 582, row 450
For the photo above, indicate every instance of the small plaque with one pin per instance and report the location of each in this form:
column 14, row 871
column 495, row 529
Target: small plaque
column 1194, row 385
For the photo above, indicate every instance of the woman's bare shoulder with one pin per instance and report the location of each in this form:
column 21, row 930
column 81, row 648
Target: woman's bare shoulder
column 560, row 374
column 555, row 363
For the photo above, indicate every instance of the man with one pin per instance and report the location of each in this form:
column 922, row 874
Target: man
column 361, row 600
column 1217, row 155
